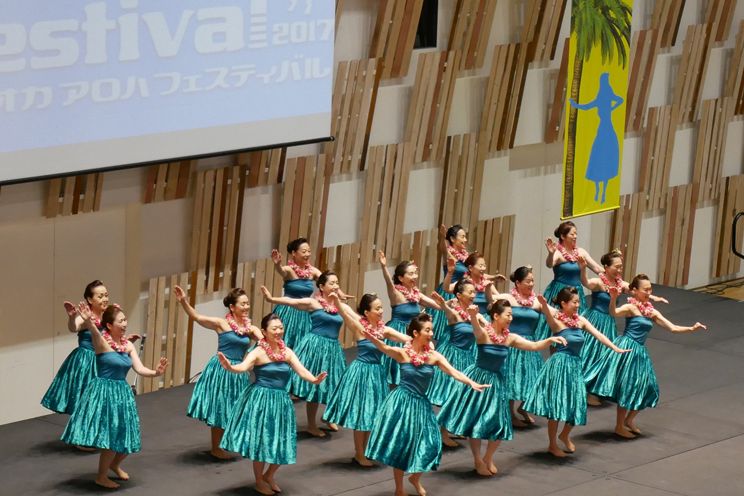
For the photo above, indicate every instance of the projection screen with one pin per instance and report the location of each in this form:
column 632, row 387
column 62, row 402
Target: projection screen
column 88, row 85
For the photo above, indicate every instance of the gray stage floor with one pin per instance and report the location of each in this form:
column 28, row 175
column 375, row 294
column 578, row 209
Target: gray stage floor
column 692, row 442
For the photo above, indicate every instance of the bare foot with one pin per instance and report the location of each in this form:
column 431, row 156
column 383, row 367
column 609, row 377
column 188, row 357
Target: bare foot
column 86, row 449
column 592, row 400
column 482, row 469
column 570, row 446
column 120, row 474
column 556, row 451
column 274, row 486
column 316, row 432
column 363, row 461
column 517, row 422
column 417, row 485
column 332, row 426
column 263, row 487
column 221, row 454
column 632, row 427
column 401, row 492
column 491, row 467
column 526, row 416
column 106, row 482
column 623, row 432
column 449, row 442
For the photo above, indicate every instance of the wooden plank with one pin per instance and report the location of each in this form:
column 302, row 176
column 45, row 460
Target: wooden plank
column 149, row 344
column 180, row 358
column 552, row 130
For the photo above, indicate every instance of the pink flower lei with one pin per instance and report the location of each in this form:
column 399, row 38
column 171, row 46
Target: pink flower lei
column 571, row 321
column 417, row 359
column 460, row 254
column 496, row 338
column 521, row 300
column 646, row 309
column 305, row 272
column 464, row 315
column 569, row 256
column 378, row 331
column 327, row 307
column 240, row 330
column 413, row 295
column 119, row 347
column 479, row 286
column 606, row 281
column 280, row 356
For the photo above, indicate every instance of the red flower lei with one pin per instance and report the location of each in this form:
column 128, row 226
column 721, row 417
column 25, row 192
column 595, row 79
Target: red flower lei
column 243, row 330
column 413, row 295
column 280, row 356
column 464, row 315
column 417, row 359
column 377, row 331
column 572, row 322
column 569, row 256
column 305, row 272
column 646, row 309
column 495, row 338
column 606, row 281
column 459, row 254
column 119, row 347
column 479, row 286
column 327, row 307
column 524, row 302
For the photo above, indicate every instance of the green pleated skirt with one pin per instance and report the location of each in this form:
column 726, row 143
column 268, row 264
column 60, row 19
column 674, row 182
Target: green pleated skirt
column 442, row 385
column 76, row 372
column 405, row 434
column 543, row 329
column 105, row 417
column 216, row 393
column 559, row 392
column 357, row 399
column 439, row 318
column 297, row 324
column 627, row 379
column 592, row 350
column 522, row 369
column 388, row 364
column 318, row 354
column 478, row 415
column 263, row 426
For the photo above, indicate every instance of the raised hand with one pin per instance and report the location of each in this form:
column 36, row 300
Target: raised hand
column 473, row 310
column 550, row 245
column 84, row 311
column 160, row 370
column 451, row 262
column 266, row 293
column 558, row 340
column 70, row 309
column 542, row 300
column 180, row 294
column 437, row 298
column 276, row 257
column 133, row 338
column 334, row 298
column 381, row 257
column 614, row 291
column 320, row 378
column 582, row 261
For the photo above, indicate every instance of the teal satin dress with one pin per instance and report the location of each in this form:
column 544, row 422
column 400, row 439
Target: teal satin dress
column 357, row 399
column 522, row 367
column 76, row 372
column 627, row 379
column 438, row 317
column 459, row 350
column 296, row 322
column 598, row 314
column 320, row 351
column 405, row 434
column 565, row 274
column 217, row 390
column 263, row 425
column 559, row 392
column 481, row 415
column 402, row 316
column 106, row 414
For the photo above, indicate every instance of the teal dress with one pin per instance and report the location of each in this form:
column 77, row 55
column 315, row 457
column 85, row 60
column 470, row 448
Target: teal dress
column 263, row 426
column 482, row 303
column 402, row 316
column 559, row 392
column 459, row 352
column 481, row 415
column 217, row 390
column 405, row 435
column 357, row 399
column 522, row 367
column 565, row 274
column 319, row 351
column 106, row 414
column 296, row 322
column 438, row 317
column 598, row 314
column 627, row 379
column 76, row 372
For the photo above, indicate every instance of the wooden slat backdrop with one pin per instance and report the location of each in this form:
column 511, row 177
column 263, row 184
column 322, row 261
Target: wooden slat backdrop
column 734, row 86
column 625, row 233
column 643, row 52
column 168, row 181
column 251, row 276
column 656, row 156
column 554, row 129
column 711, row 144
column 394, row 35
column 494, row 239
column 344, row 260
column 676, row 239
column 731, row 201
column 720, row 13
column 666, row 18
column 74, row 195
column 471, row 31
column 459, row 180
column 264, row 168
column 543, row 19
column 688, row 87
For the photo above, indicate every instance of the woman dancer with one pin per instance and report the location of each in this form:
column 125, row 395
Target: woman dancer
column 559, row 393
column 263, row 426
column 319, row 349
column 299, row 282
column 486, row 416
column 476, row 273
column 216, row 392
column 406, row 301
column 453, row 245
column 405, row 435
column 563, row 258
column 629, row 380
column 357, row 399
column 106, row 414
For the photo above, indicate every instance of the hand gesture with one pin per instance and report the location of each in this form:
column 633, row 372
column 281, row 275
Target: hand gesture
column 437, row 298
column 582, row 261
column 698, row 325
column 451, row 262
column 473, row 310
column 500, row 277
column 320, row 378
column 381, row 257
column 334, row 298
column 180, row 294
column 224, row 361
column 614, row 291
column 133, row 338
column 480, row 387
column 542, row 300
column 550, row 245
column 345, row 297
column 84, row 311
column 70, row 309
column 558, row 340
column 266, row 293
column 660, row 299
column 160, row 370
column 276, row 257
column 620, row 350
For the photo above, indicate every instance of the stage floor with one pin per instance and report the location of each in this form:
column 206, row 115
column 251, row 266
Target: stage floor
column 692, row 443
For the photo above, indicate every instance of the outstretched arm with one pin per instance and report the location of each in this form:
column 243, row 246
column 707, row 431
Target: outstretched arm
column 590, row 262
column 396, row 336
column 517, row 341
column 304, row 304
column 447, row 284
column 442, row 305
column 74, row 321
column 585, row 106
column 304, row 374
column 395, row 353
column 214, row 323
column 141, row 369
column 588, row 327
column 616, row 102
column 448, row 369
column 623, row 311
column 666, row 324
column 478, row 330
column 547, row 310
column 393, row 294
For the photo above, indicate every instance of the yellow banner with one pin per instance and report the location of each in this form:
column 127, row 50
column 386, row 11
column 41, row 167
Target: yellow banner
column 598, row 61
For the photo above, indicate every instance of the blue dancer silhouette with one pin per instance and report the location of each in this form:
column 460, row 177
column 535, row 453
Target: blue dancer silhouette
column 605, row 155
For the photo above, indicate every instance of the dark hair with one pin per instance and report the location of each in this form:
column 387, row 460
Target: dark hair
column 498, row 307
column 268, row 318
column 88, row 292
column 109, row 315
column 417, row 323
column 452, row 232
column 565, row 295
column 520, row 274
column 232, row 296
column 472, row 259
column 365, row 303
column 400, row 270
column 563, row 228
column 636, row 282
column 295, row 245
column 323, row 277
column 607, row 258
column 460, row 285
